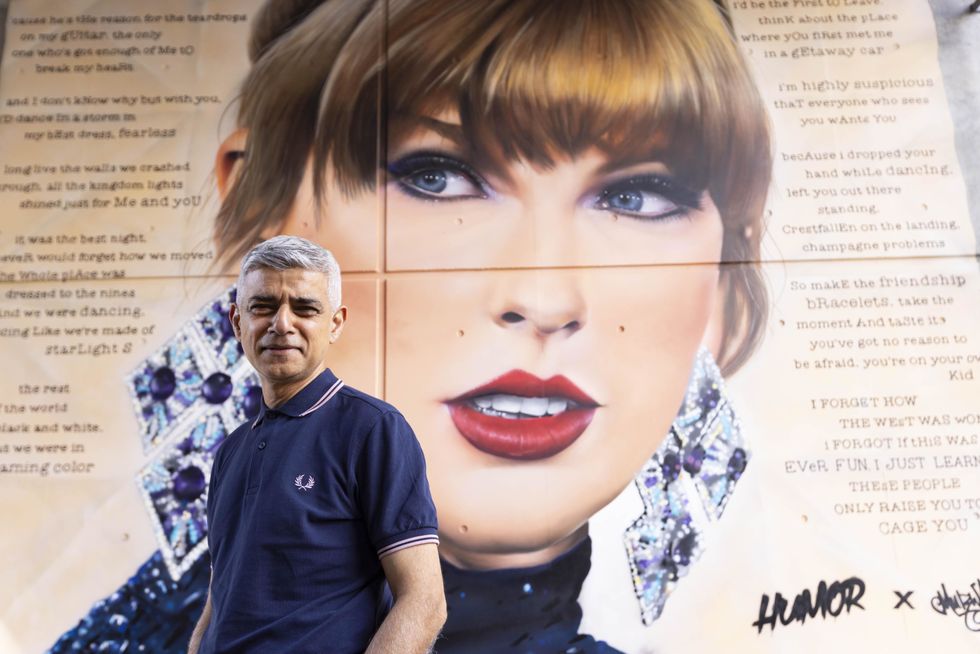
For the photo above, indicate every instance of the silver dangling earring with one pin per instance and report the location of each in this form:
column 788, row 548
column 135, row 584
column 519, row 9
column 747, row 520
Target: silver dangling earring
column 684, row 487
column 189, row 395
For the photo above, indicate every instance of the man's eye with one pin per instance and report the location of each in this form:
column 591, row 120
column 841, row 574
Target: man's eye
column 648, row 197
column 437, row 177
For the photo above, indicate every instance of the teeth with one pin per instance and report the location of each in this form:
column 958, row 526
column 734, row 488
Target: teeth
column 515, row 406
column 534, row 406
column 507, row 403
column 557, row 405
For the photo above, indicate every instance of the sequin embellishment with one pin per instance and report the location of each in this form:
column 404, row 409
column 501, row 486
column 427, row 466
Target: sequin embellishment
column 188, row 396
column 684, row 486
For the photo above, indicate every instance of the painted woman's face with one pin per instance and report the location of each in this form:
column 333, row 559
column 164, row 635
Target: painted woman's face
column 541, row 325
column 544, row 370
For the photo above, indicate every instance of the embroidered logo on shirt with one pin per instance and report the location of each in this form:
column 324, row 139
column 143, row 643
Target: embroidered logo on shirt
column 298, row 482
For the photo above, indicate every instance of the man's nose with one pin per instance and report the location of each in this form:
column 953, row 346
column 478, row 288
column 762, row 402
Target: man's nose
column 282, row 322
column 544, row 302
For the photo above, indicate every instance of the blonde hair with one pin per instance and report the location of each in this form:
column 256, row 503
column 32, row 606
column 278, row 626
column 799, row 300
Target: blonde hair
column 639, row 79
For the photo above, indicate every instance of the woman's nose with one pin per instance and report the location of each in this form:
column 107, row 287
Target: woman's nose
column 544, row 302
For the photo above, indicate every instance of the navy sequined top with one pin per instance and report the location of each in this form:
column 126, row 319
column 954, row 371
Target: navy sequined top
column 523, row 610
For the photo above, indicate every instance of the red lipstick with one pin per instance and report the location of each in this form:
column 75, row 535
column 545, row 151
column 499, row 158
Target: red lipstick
column 520, row 416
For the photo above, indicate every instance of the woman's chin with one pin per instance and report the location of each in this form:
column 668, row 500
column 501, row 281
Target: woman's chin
column 489, row 547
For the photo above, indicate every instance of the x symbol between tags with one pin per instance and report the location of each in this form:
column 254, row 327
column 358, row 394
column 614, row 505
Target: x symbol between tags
column 903, row 598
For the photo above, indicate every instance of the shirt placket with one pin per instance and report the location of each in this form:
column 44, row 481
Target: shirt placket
column 259, row 447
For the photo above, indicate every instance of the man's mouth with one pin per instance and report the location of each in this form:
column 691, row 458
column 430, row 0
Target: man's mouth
column 520, row 416
column 278, row 348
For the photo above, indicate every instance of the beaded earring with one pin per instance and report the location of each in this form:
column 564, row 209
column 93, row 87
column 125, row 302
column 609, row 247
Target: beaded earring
column 188, row 396
column 684, row 486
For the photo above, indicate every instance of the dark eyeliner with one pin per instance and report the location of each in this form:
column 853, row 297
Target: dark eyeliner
column 685, row 197
column 417, row 162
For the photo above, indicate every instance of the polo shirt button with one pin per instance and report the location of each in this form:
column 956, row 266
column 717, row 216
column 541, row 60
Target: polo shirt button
column 261, row 445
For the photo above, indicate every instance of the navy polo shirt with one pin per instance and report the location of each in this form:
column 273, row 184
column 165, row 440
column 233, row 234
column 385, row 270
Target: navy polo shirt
column 303, row 504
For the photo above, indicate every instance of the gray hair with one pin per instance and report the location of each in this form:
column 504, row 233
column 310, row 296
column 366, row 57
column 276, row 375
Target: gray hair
column 285, row 252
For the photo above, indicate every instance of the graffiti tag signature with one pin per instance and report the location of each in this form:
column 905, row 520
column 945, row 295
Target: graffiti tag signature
column 828, row 600
column 962, row 604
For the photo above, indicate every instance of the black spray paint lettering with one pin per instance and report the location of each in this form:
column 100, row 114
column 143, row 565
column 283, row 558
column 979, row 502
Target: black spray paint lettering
column 903, row 599
column 962, row 604
column 830, row 600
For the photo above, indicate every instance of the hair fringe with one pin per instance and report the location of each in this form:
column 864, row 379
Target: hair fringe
column 638, row 78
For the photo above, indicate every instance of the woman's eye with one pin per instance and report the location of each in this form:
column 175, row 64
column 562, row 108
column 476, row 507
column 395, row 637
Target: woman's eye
column 648, row 198
column 437, row 177
column 443, row 183
column 431, row 181
column 637, row 202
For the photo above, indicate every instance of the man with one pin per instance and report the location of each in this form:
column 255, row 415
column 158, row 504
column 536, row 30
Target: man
column 323, row 497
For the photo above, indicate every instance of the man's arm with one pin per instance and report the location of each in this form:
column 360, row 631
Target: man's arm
column 420, row 604
column 202, row 625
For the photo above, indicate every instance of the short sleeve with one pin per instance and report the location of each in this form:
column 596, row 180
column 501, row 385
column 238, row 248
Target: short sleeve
column 391, row 487
column 212, row 486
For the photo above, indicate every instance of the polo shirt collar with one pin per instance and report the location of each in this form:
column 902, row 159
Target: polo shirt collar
column 310, row 398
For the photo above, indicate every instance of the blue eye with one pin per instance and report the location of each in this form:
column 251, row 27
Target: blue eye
column 626, row 201
column 648, row 197
column 433, row 176
column 430, row 181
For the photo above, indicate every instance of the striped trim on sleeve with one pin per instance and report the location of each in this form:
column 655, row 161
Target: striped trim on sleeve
column 425, row 539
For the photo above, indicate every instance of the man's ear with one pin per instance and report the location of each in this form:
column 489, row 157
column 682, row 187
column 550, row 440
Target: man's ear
column 337, row 323
column 228, row 161
column 235, row 318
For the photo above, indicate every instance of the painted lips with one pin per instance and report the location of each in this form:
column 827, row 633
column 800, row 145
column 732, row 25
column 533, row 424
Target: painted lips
column 520, row 416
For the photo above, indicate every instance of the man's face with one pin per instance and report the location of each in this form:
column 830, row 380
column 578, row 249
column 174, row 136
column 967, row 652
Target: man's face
column 285, row 323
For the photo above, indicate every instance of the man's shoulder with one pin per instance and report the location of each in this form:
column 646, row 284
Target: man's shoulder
column 364, row 405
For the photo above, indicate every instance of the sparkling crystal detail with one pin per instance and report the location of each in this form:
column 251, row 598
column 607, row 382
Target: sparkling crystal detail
column 188, row 396
column 163, row 383
column 693, row 459
column 215, row 327
column 671, row 467
column 246, row 398
column 737, row 463
column 252, row 401
column 138, row 619
column 164, row 387
column 684, row 487
column 174, row 487
column 188, row 483
column 217, row 388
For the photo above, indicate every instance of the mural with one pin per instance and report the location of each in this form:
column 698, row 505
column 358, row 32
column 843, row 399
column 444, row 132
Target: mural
column 679, row 297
